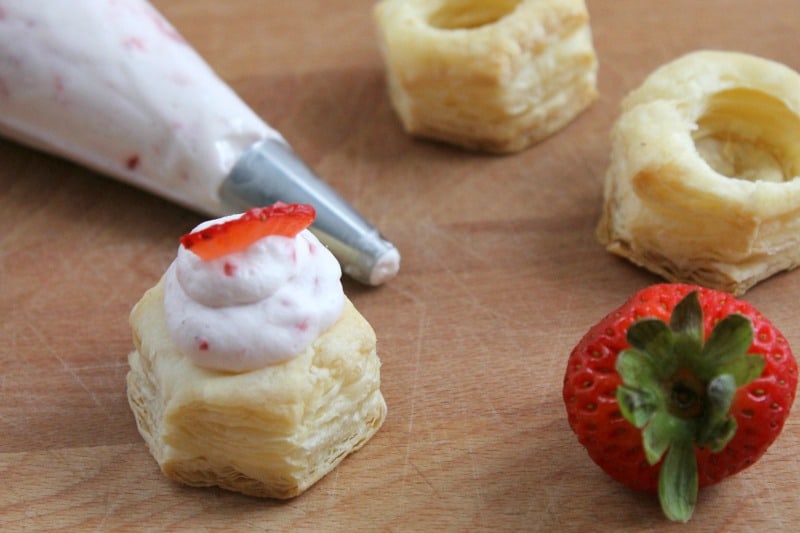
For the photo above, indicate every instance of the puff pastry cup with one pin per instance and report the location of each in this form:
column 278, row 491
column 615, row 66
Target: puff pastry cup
column 703, row 181
column 490, row 76
column 271, row 432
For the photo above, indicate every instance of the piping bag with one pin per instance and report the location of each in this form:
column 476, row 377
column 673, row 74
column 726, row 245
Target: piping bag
column 111, row 85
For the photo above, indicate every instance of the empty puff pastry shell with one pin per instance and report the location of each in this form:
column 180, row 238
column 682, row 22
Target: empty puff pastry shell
column 703, row 182
column 491, row 76
column 271, row 432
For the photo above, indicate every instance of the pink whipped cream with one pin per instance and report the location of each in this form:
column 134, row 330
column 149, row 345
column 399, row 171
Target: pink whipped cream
column 112, row 85
column 254, row 308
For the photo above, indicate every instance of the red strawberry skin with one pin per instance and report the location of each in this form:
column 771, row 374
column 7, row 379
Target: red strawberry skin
column 760, row 408
column 237, row 234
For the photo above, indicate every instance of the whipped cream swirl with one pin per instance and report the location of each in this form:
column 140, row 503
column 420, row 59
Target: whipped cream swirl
column 254, row 308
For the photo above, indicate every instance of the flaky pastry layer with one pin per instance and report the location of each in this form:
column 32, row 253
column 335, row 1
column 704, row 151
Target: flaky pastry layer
column 271, row 432
column 491, row 76
column 703, row 182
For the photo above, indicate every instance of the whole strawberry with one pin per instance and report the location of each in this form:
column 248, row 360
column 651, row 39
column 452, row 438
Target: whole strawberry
column 677, row 389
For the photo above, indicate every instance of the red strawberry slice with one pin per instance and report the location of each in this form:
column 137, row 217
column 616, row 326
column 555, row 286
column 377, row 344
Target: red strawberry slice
column 235, row 235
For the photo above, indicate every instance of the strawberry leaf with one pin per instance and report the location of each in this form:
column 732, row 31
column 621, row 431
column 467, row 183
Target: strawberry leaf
column 686, row 324
column 637, row 368
column 687, row 317
column 729, row 339
column 677, row 482
column 636, row 406
column 744, row 368
column 652, row 337
column 660, row 433
column 718, row 426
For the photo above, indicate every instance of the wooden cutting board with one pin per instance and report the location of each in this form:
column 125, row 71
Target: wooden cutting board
column 501, row 275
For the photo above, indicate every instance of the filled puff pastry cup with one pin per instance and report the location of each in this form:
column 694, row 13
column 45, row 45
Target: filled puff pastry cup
column 702, row 185
column 271, row 432
column 490, row 76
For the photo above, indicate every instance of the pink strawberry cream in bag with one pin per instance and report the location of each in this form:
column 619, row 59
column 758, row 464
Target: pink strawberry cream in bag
column 111, row 84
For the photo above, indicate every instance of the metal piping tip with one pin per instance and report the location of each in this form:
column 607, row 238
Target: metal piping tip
column 269, row 171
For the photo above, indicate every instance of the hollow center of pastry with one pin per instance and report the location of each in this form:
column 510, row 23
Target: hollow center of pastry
column 751, row 135
column 468, row 14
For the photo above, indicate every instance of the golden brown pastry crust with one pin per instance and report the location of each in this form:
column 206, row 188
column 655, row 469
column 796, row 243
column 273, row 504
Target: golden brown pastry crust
column 703, row 182
column 496, row 77
column 271, row 432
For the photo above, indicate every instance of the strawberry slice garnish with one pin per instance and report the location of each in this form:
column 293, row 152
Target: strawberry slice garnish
column 235, row 235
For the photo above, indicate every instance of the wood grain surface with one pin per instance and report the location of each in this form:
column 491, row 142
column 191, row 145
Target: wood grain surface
column 501, row 275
